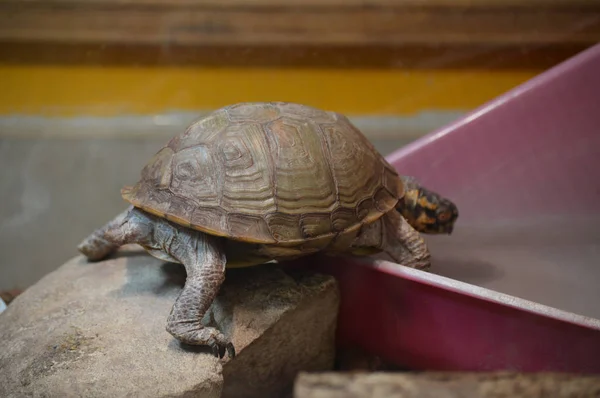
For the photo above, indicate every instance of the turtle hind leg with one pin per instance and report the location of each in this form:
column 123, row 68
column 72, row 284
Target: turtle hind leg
column 130, row 226
column 202, row 255
column 97, row 246
column 204, row 259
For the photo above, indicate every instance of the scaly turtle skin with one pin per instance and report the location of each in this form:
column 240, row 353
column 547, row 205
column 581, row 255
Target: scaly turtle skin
column 254, row 182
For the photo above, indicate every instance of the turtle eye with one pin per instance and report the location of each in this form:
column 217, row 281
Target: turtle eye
column 444, row 216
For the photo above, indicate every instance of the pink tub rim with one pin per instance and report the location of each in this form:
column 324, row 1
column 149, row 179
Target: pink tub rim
column 477, row 292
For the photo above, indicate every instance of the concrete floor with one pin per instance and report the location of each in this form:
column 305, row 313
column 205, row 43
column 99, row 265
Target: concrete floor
column 56, row 188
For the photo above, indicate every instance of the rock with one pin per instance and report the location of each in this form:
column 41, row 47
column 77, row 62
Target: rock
column 98, row 329
column 445, row 385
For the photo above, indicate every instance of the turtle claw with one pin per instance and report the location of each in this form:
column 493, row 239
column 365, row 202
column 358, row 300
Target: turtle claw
column 219, row 349
column 230, row 350
column 199, row 335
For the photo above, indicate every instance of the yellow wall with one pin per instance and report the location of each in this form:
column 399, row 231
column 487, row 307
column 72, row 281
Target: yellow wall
column 95, row 91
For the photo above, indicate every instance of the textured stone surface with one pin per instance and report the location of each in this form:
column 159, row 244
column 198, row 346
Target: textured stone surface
column 445, row 385
column 98, row 329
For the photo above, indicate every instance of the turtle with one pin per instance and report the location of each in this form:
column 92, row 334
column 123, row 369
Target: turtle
column 258, row 182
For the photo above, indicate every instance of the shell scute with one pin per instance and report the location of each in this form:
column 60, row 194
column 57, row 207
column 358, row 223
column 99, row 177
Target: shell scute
column 158, row 200
column 193, row 171
column 201, row 131
column 212, row 219
column 181, row 208
column 248, row 227
column 343, row 218
column 303, row 178
column 383, row 199
column 157, row 172
column 366, row 209
column 247, row 171
column 314, row 225
column 284, row 227
column 306, row 112
column 252, row 112
column 357, row 169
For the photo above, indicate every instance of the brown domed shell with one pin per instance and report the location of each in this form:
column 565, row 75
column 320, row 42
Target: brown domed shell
column 268, row 173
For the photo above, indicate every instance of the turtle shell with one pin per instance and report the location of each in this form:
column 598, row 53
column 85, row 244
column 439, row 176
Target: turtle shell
column 269, row 173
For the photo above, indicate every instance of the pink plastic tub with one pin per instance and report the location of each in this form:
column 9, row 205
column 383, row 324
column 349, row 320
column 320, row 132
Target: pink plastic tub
column 517, row 286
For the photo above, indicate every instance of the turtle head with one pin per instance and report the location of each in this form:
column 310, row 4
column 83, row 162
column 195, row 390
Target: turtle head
column 427, row 211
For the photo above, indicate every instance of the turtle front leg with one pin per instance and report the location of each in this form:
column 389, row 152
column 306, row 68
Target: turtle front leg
column 204, row 259
column 394, row 236
column 403, row 243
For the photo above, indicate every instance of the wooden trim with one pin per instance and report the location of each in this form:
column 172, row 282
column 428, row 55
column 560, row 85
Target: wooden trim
column 380, row 33
column 331, row 3
column 168, row 24
column 405, row 57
